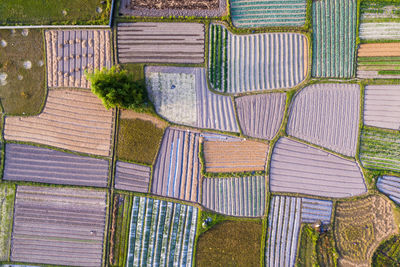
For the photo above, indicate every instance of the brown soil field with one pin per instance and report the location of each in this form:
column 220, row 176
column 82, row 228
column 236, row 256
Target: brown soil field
column 130, row 114
column 234, row 156
column 175, row 4
column 360, row 226
column 379, row 50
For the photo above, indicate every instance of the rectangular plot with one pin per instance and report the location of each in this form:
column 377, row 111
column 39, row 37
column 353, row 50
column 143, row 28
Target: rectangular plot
column 132, row 177
column 7, row 195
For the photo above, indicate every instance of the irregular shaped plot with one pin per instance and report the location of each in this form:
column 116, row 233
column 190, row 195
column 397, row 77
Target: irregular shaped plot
column 300, row 168
column 327, row 115
column 176, row 172
column 71, row 52
column 36, row 164
column 181, row 95
column 390, row 185
column 260, row 13
column 7, row 195
column 334, row 38
column 388, row 253
column 243, row 196
column 247, row 63
column 161, row 233
column 381, row 106
column 132, row 177
column 261, row 115
column 61, row 226
column 380, row 149
column 234, row 155
column 160, row 42
column 379, row 31
column 360, row 226
column 71, row 119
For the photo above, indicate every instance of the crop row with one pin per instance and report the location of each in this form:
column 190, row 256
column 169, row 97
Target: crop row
column 380, row 31
column 378, row 60
column 218, row 61
column 390, row 185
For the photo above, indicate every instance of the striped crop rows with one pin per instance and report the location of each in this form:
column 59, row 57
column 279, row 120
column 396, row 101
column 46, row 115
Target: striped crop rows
column 334, row 38
column 160, row 42
column 264, row 13
column 218, row 70
column 61, row 226
column 261, row 115
column 261, row 61
column 313, row 210
column 243, row 196
column 379, row 31
column 71, row 119
column 381, row 106
column 177, row 168
column 132, row 177
column 380, row 149
column 327, row 115
column 161, row 233
column 390, row 185
column 299, row 168
column 35, row 164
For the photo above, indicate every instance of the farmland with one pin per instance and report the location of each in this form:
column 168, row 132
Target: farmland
column 161, row 233
column 132, row 177
column 230, row 243
column 246, row 14
column 161, row 42
column 261, row 116
column 379, row 149
column 326, row 250
column 380, row 31
column 71, row 52
column 390, row 185
column 242, row 196
column 388, row 253
column 7, row 194
column 334, row 37
column 72, row 119
column 299, row 168
column 307, row 255
column 58, row 226
column 247, row 63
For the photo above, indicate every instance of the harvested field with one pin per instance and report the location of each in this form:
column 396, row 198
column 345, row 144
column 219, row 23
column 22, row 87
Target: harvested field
column 380, row 149
column 61, row 226
column 132, row 177
column 300, row 168
column 390, row 185
column 246, row 63
column 259, row 13
column 7, row 195
column 261, row 116
column 327, row 115
column 230, row 243
column 36, row 164
column 360, row 226
column 381, row 107
column 181, row 95
column 161, row 233
column 243, row 196
column 388, row 253
column 71, row 119
column 334, row 38
column 176, row 172
column 71, row 52
column 380, row 31
column 160, row 42
column 234, row 155
column 379, row 60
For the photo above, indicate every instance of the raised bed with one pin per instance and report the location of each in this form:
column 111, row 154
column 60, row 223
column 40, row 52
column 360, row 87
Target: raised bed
column 390, row 185
column 300, row 168
column 71, row 119
column 380, row 31
column 36, row 164
column 161, row 233
column 132, row 177
column 338, row 108
column 61, row 226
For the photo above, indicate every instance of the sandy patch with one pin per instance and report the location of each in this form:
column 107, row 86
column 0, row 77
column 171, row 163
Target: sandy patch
column 3, row 78
column 27, row 64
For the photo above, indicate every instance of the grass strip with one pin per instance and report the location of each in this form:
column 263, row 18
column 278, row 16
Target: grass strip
column 389, row 72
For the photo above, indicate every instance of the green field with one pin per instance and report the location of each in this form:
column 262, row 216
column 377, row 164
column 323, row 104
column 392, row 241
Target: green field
column 388, row 253
column 7, row 194
column 326, row 251
column 307, row 254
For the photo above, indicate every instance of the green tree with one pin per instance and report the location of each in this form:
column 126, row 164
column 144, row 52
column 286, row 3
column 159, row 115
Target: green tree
column 116, row 88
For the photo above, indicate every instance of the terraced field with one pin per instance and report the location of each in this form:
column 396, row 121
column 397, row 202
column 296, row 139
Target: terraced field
column 181, row 95
column 261, row 116
column 380, row 149
column 379, row 60
column 160, row 42
column 334, row 38
column 71, row 119
column 176, row 172
column 161, row 233
column 379, row 31
column 390, row 185
column 327, row 115
column 360, row 226
column 381, row 106
column 243, row 196
column 61, row 226
column 7, row 194
column 259, row 13
column 71, row 52
column 246, row 63
column 132, row 177
column 299, row 168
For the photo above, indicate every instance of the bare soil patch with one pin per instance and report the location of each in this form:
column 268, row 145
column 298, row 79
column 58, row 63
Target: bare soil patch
column 176, row 4
column 379, row 50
